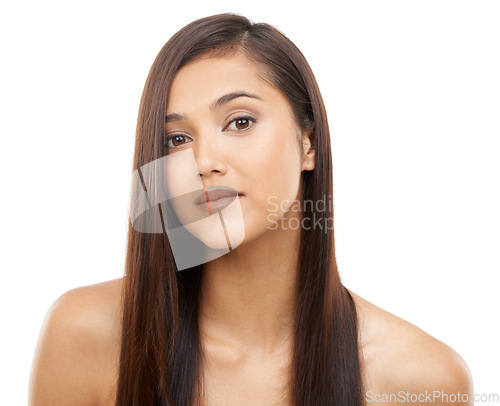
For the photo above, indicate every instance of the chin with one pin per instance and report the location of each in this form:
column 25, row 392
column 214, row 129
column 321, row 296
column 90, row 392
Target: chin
column 215, row 230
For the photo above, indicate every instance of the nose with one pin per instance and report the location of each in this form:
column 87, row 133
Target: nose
column 209, row 157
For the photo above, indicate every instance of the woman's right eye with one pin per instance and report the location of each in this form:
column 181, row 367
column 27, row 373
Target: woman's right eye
column 176, row 140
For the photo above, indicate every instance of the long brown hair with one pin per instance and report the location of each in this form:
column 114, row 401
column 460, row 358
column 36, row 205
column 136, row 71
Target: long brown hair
column 161, row 353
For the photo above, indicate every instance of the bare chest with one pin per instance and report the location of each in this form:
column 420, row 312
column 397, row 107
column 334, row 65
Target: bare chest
column 252, row 382
column 247, row 381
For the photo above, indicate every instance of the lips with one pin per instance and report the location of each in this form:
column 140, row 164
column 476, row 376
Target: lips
column 216, row 198
column 215, row 193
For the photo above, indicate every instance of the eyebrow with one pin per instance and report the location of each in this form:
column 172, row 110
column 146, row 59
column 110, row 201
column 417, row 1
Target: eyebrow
column 216, row 104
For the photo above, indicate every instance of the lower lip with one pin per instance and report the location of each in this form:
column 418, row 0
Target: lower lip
column 219, row 204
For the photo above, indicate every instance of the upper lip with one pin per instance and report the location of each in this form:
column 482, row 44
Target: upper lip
column 215, row 193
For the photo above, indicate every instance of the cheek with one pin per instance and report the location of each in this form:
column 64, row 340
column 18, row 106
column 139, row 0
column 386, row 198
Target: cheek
column 273, row 174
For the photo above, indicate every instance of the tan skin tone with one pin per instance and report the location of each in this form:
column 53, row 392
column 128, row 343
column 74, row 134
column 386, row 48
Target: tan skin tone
column 245, row 316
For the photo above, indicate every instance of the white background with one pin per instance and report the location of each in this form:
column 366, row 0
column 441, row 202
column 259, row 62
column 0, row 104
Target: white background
column 412, row 90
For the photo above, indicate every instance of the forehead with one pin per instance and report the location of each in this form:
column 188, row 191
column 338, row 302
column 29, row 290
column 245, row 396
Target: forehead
column 202, row 81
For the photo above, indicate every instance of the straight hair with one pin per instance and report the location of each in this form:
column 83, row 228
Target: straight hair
column 161, row 353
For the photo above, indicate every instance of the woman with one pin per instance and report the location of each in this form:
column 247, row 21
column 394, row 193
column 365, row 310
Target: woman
column 232, row 108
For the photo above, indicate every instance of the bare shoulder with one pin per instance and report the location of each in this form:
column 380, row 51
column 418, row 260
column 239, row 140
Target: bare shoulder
column 402, row 360
column 77, row 352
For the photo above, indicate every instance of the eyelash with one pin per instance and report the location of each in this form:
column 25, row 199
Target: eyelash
column 248, row 118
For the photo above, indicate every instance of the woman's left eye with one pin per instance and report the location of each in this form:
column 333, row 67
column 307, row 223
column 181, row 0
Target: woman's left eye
column 241, row 123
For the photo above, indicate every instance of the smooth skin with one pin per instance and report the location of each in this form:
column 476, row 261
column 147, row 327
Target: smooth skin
column 246, row 309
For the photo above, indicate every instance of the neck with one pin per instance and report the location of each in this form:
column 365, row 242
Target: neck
column 248, row 295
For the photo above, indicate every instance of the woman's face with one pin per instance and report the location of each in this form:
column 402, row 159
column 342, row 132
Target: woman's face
column 247, row 143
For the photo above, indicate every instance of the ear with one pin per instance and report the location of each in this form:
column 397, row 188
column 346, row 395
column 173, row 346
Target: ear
column 308, row 154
